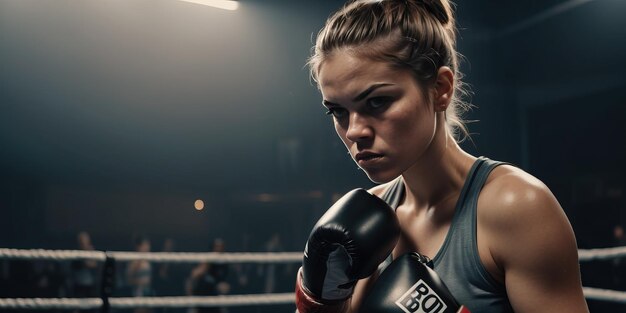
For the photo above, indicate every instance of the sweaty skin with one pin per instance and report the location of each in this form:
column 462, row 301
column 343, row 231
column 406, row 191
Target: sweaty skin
column 524, row 238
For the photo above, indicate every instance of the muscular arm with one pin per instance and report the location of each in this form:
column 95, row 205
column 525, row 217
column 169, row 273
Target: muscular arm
column 532, row 241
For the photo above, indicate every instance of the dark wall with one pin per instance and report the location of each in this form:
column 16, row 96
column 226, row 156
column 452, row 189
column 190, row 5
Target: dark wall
column 128, row 106
column 152, row 101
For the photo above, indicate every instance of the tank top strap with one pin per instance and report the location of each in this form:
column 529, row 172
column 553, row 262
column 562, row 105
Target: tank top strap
column 465, row 209
column 394, row 193
column 468, row 185
column 484, row 168
column 458, row 262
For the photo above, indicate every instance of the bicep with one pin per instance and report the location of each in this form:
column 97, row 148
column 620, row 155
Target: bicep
column 546, row 278
column 540, row 257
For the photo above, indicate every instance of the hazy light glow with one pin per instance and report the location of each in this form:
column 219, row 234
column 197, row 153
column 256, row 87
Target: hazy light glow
column 199, row 205
column 221, row 4
column 560, row 8
column 266, row 197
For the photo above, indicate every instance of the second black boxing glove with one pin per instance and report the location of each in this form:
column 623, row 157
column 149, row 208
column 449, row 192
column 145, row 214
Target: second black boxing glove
column 408, row 285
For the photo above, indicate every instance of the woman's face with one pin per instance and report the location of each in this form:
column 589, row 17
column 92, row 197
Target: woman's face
column 380, row 113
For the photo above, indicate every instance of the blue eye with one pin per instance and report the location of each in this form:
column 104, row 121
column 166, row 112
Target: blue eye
column 378, row 102
column 336, row 112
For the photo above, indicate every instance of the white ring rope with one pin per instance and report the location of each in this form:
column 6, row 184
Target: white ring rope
column 604, row 294
column 601, row 254
column 50, row 303
column 209, row 301
column 56, row 255
column 215, row 301
column 170, row 257
column 148, row 302
column 240, row 257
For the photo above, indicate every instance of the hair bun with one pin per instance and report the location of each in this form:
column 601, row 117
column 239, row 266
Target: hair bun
column 437, row 8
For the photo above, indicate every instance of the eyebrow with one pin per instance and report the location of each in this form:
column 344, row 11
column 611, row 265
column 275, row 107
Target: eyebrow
column 369, row 90
column 363, row 94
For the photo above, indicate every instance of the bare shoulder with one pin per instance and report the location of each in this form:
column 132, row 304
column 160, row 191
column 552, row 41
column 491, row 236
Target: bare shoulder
column 517, row 212
column 512, row 197
column 531, row 240
column 529, row 237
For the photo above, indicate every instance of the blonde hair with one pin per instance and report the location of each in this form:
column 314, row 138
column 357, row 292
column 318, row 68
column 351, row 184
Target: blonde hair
column 419, row 35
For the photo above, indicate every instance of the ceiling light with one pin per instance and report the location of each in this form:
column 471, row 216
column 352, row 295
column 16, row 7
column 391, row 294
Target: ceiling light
column 221, row 4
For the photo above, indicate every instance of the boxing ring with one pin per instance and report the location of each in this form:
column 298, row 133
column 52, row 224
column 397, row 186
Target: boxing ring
column 111, row 259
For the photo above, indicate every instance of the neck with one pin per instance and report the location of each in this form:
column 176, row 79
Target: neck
column 439, row 173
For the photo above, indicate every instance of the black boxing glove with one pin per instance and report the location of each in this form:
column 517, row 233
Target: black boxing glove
column 347, row 244
column 408, row 285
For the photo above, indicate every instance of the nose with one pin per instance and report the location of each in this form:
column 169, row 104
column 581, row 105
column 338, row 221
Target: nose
column 358, row 128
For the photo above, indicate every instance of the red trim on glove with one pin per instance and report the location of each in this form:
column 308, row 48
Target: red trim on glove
column 463, row 309
column 306, row 303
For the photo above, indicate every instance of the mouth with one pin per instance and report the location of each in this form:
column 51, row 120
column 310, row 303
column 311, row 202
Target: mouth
column 366, row 157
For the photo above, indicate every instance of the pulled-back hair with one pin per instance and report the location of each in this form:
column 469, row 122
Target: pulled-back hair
column 418, row 35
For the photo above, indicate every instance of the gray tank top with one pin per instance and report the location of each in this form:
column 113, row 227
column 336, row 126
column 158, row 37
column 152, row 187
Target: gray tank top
column 457, row 262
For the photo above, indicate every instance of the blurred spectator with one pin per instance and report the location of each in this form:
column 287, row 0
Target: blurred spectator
column 618, row 236
column 272, row 245
column 49, row 280
column 242, row 271
column 207, row 279
column 619, row 264
column 169, row 278
column 240, row 277
column 84, row 273
column 139, row 273
column 163, row 284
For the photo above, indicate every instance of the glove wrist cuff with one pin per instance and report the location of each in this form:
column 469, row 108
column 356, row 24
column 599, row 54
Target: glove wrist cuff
column 463, row 309
column 307, row 303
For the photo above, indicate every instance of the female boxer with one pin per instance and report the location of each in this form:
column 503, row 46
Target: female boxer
column 389, row 77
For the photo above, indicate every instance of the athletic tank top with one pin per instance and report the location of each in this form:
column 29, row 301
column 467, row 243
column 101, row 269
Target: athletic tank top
column 458, row 262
